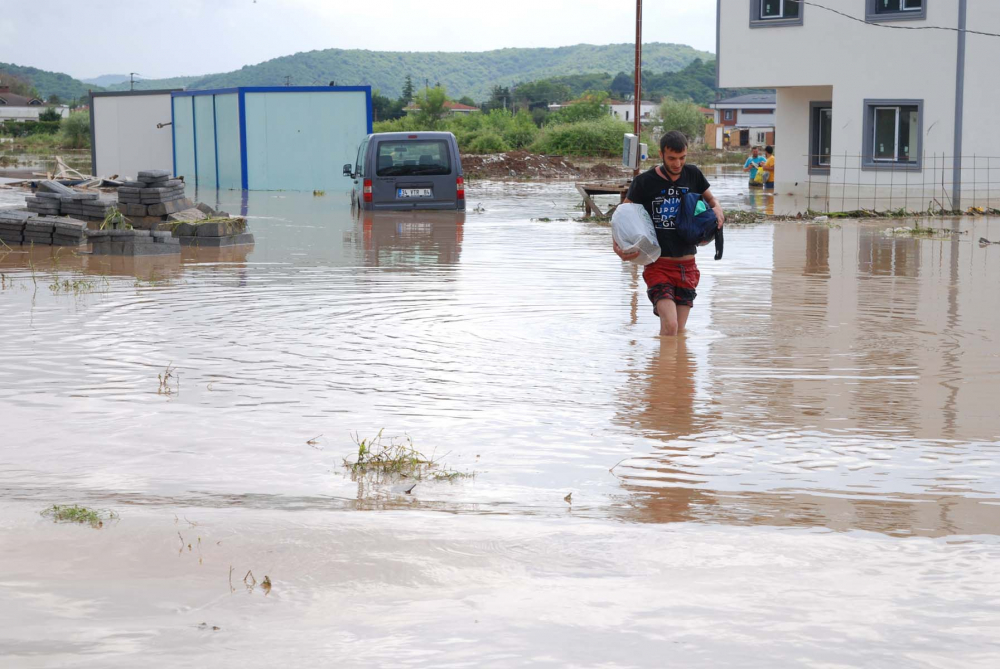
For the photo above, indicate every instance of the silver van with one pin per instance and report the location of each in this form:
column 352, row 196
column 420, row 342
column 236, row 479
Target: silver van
column 407, row 170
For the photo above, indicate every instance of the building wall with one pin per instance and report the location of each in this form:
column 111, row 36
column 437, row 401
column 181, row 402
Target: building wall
column 126, row 139
column 227, row 129
column 791, row 155
column 14, row 113
column 295, row 139
column 980, row 139
column 302, row 140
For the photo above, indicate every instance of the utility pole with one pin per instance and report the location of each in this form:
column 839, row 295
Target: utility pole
column 288, row 80
column 131, row 80
column 638, row 77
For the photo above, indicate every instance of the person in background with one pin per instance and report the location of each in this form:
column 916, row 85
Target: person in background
column 769, row 168
column 751, row 164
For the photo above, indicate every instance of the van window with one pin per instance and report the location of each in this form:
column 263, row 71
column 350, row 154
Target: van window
column 359, row 167
column 406, row 157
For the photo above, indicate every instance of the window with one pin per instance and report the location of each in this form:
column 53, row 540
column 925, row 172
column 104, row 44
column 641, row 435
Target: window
column 767, row 13
column 820, row 137
column 893, row 134
column 413, row 157
column 729, row 115
column 895, row 10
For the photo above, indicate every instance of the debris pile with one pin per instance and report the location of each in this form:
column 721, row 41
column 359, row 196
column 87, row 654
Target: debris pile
column 213, row 232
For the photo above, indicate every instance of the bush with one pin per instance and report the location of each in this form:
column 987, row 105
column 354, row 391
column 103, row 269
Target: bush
column 76, row 130
column 683, row 116
column 50, row 114
column 602, row 137
column 488, row 142
column 25, row 128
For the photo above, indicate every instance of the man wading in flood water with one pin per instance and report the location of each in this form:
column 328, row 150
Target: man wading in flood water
column 670, row 281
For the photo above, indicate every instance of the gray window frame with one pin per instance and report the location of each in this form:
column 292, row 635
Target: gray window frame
column 727, row 115
column 815, row 167
column 757, row 22
column 872, row 15
column 868, row 162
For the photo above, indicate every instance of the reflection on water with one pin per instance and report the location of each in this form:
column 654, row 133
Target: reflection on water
column 834, row 395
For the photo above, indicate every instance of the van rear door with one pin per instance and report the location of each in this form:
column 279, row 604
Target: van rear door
column 414, row 174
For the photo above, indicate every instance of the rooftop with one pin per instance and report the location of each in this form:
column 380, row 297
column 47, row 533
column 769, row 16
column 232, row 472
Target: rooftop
column 750, row 99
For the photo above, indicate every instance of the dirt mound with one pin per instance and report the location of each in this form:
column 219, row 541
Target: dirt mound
column 518, row 165
column 604, row 171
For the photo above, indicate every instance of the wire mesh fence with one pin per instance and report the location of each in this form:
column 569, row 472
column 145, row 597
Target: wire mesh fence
column 936, row 183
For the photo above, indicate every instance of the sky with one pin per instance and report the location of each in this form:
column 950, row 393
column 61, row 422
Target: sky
column 165, row 38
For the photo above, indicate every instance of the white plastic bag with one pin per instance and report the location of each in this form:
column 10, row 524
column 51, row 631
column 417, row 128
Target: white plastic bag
column 632, row 229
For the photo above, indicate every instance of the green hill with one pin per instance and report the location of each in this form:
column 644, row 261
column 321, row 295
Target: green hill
column 155, row 84
column 50, row 83
column 462, row 73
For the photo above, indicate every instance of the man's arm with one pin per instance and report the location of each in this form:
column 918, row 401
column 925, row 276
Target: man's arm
column 715, row 206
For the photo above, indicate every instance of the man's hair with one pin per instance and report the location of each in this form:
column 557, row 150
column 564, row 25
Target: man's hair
column 674, row 140
column 769, row 149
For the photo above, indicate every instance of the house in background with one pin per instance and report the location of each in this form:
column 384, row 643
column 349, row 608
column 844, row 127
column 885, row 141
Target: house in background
column 15, row 107
column 453, row 108
column 747, row 120
column 869, row 112
column 625, row 111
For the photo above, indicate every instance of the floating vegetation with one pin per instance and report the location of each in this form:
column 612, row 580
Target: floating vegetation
column 77, row 286
column 79, row 514
column 170, row 381
column 380, row 461
column 319, row 193
column 917, row 230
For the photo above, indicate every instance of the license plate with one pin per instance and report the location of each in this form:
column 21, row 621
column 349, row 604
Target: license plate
column 404, row 193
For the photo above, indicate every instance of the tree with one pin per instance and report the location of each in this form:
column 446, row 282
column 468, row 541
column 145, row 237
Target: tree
column 622, row 86
column 18, row 86
column 431, row 102
column 590, row 107
column 50, row 114
column 683, row 116
column 385, row 108
column 466, row 100
column 54, row 99
column 76, row 130
column 407, row 96
column 500, row 98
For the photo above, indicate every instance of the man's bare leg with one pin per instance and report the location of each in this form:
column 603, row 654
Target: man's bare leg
column 669, row 325
column 682, row 316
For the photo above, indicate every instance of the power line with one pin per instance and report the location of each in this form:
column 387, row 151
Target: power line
column 895, row 27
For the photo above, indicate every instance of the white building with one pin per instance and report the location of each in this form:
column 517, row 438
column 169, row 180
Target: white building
column 131, row 131
column 748, row 120
column 15, row 107
column 625, row 111
column 865, row 111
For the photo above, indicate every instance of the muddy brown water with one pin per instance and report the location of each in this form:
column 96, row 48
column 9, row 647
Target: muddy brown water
column 810, row 477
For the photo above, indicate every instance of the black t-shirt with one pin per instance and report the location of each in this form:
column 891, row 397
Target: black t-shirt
column 662, row 199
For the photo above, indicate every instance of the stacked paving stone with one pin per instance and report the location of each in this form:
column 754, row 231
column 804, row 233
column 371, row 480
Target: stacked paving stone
column 54, row 199
column 12, row 225
column 22, row 227
column 154, row 193
column 214, row 233
column 133, row 242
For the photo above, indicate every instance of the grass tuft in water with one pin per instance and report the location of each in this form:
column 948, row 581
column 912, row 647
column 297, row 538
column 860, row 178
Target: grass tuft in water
column 381, row 461
column 79, row 514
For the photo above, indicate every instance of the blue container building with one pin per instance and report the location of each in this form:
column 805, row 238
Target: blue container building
column 281, row 138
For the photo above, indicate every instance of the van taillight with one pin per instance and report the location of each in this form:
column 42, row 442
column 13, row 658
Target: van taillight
column 460, row 186
column 368, row 190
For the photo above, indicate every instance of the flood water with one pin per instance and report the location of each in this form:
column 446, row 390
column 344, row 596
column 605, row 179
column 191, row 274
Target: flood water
column 810, row 477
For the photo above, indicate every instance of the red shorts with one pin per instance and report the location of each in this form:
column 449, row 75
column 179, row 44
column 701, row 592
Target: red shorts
column 672, row 279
